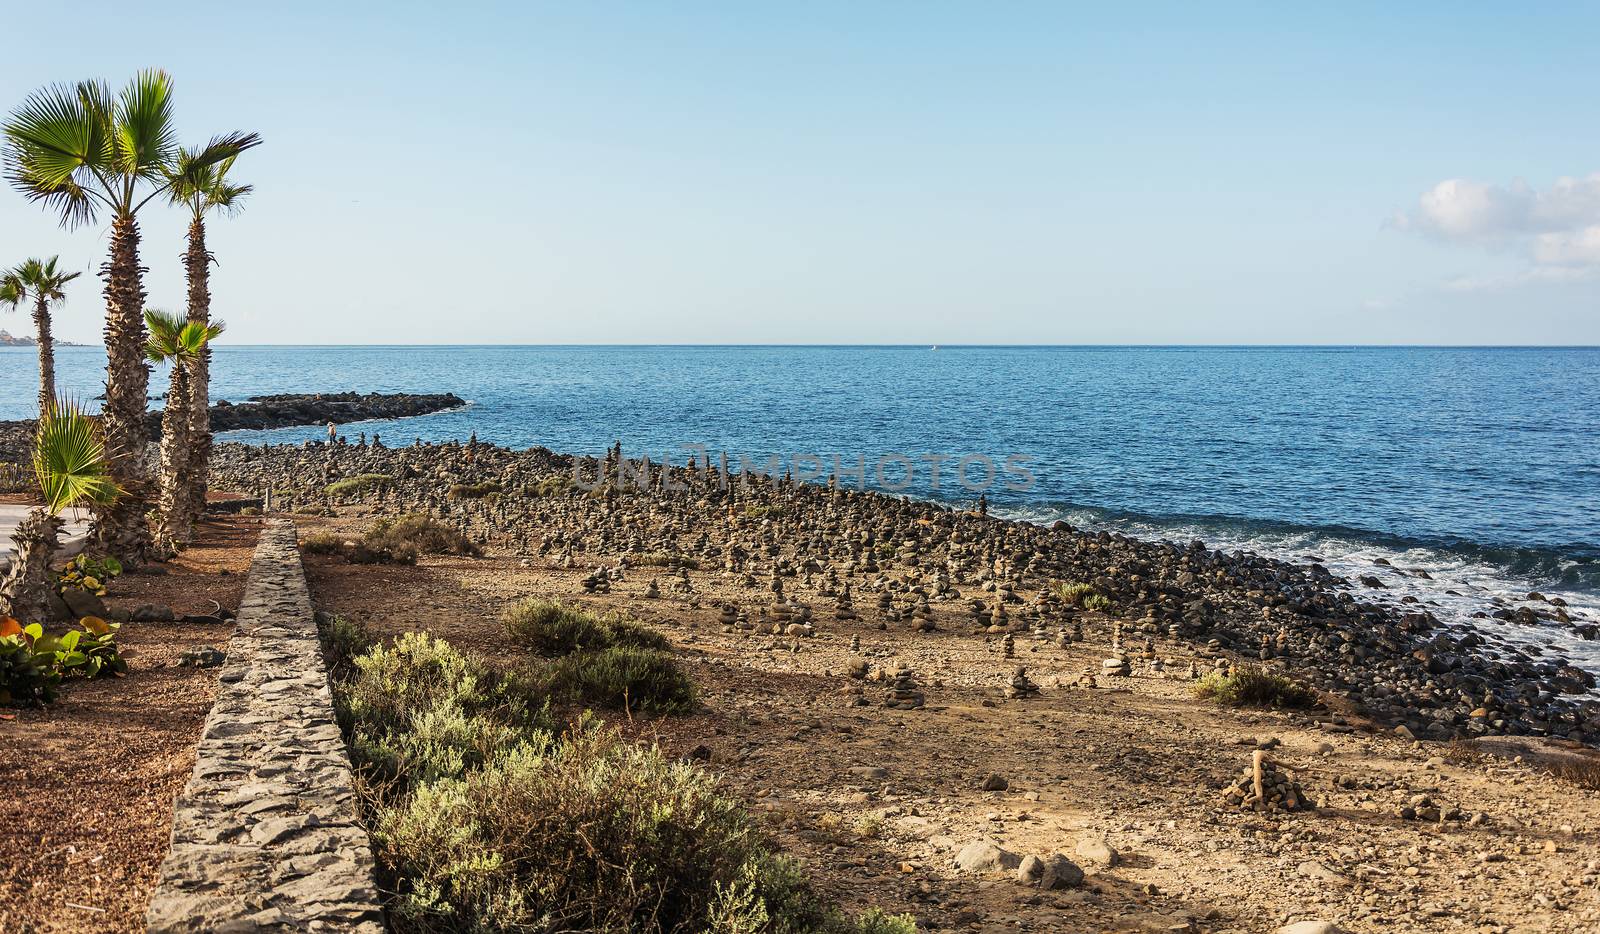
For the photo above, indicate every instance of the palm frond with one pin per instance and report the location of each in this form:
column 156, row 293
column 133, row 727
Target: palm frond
column 195, row 336
column 192, row 174
column 146, row 138
column 165, row 340
column 56, row 142
column 69, row 459
column 11, row 291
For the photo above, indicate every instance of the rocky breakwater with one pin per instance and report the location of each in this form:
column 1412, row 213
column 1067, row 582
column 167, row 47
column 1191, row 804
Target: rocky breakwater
column 286, row 411
column 266, row 836
column 266, row 412
column 1403, row 668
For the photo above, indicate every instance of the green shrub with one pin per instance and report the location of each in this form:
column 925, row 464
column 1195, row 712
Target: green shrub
column 342, row 641
column 474, row 490
column 360, row 483
column 637, row 634
column 1097, row 602
column 551, row 628
column 419, row 534
column 322, row 543
column 626, row 676
column 763, row 512
column 553, row 486
column 419, row 710
column 1075, row 593
column 771, row 895
column 585, row 833
column 484, row 819
column 665, row 559
column 364, row 552
column 1250, row 686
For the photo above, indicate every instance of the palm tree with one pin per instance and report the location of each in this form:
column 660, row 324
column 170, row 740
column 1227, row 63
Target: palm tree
column 69, row 461
column 81, row 151
column 203, row 188
column 179, row 342
column 42, row 282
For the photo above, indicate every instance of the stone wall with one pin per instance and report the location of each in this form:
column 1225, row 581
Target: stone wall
column 266, row 836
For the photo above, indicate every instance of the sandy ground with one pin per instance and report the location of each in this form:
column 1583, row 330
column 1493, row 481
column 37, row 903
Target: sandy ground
column 1124, row 778
column 89, row 782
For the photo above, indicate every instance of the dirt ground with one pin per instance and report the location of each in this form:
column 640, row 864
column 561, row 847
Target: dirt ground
column 89, row 781
column 1124, row 778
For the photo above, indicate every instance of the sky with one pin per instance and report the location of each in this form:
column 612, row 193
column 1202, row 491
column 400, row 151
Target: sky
column 886, row 172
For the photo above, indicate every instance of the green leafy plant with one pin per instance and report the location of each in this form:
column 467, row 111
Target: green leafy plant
column 25, row 679
column 473, row 490
column 91, row 574
column 33, row 663
column 87, row 652
column 71, row 466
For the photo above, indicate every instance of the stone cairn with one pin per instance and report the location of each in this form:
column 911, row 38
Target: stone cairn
column 843, row 607
column 1021, row 687
column 1264, row 787
column 904, row 692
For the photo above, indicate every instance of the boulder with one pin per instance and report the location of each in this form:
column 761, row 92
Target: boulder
column 986, row 856
column 1097, row 851
column 83, row 603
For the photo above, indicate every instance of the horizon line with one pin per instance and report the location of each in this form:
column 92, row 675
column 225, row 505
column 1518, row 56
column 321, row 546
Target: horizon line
column 932, row 345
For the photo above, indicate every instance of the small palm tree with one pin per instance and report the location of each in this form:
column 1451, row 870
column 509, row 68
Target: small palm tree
column 69, row 461
column 44, row 284
column 202, row 187
column 179, row 342
column 81, row 151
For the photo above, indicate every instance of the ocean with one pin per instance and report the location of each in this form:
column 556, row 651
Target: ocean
column 1477, row 466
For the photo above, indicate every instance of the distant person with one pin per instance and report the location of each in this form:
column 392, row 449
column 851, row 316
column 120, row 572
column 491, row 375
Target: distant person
column 333, row 432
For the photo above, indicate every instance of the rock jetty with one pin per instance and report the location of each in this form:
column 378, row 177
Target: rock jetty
column 278, row 411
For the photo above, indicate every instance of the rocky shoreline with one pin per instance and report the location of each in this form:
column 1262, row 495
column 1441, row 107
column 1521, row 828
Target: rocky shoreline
column 261, row 413
column 926, row 566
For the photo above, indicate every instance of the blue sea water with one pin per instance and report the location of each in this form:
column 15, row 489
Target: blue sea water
column 1481, row 466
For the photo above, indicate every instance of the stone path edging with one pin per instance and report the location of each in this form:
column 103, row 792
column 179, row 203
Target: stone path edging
column 266, row 835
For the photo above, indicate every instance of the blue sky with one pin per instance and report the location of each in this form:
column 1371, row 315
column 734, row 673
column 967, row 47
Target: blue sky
column 866, row 173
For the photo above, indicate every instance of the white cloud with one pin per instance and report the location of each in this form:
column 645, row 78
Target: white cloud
column 1464, row 210
column 1570, row 248
column 1557, row 229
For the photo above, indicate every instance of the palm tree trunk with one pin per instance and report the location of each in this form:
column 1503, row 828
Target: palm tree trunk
column 197, row 263
column 173, row 522
column 47, row 356
column 120, row 528
column 25, row 592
